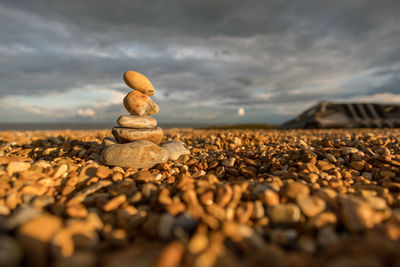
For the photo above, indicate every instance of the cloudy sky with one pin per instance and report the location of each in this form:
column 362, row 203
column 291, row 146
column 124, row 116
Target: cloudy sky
column 210, row 61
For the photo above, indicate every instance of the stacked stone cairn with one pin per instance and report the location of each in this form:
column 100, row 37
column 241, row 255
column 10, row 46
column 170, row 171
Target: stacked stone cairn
column 137, row 138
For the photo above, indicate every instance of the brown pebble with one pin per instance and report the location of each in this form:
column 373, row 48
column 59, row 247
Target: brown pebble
column 17, row 166
column 387, row 174
column 292, row 190
column 309, row 167
column 310, row 205
column 60, row 171
column 103, row 172
column 269, row 198
column 357, row 214
column 138, row 103
column 78, row 234
column 184, row 182
column 35, row 236
column 224, row 195
column 67, row 190
column 207, row 198
column 284, row 213
column 77, row 211
column 311, row 177
column 171, row 255
column 323, row 219
column 198, row 243
column 324, row 165
column 357, row 165
column 117, row 176
column 138, row 81
column 34, row 189
column 143, row 177
column 175, row 208
column 114, row 203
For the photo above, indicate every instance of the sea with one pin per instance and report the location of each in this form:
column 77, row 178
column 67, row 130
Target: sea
column 80, row 126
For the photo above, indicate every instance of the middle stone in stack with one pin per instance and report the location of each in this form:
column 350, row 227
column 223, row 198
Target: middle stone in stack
column 139, row 125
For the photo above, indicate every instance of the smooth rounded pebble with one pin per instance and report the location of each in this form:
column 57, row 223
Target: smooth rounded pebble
column 357, row 214
column 137, row 121
column 176, row 149
column 138, row 103
column 137, row 155
column 284, row 213
column 139, row 82
column 108, row 141
column 126, row 135
column 35, row 241
column 16, row 166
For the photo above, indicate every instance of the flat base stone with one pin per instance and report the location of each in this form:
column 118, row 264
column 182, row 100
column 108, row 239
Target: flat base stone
column 136, row 155
column 126, row 135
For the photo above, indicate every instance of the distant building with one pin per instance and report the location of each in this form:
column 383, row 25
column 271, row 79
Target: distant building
column 351, row 115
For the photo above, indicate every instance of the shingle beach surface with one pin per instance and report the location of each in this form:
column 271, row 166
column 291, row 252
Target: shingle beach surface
column 240, row 198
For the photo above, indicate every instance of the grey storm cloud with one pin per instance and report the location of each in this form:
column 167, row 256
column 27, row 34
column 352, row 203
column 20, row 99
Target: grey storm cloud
column 228, row 51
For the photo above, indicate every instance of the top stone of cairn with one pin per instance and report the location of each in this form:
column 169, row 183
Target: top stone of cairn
column 138, row 82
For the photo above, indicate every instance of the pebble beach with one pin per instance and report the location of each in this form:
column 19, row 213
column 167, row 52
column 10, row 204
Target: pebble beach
column 240, row 198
